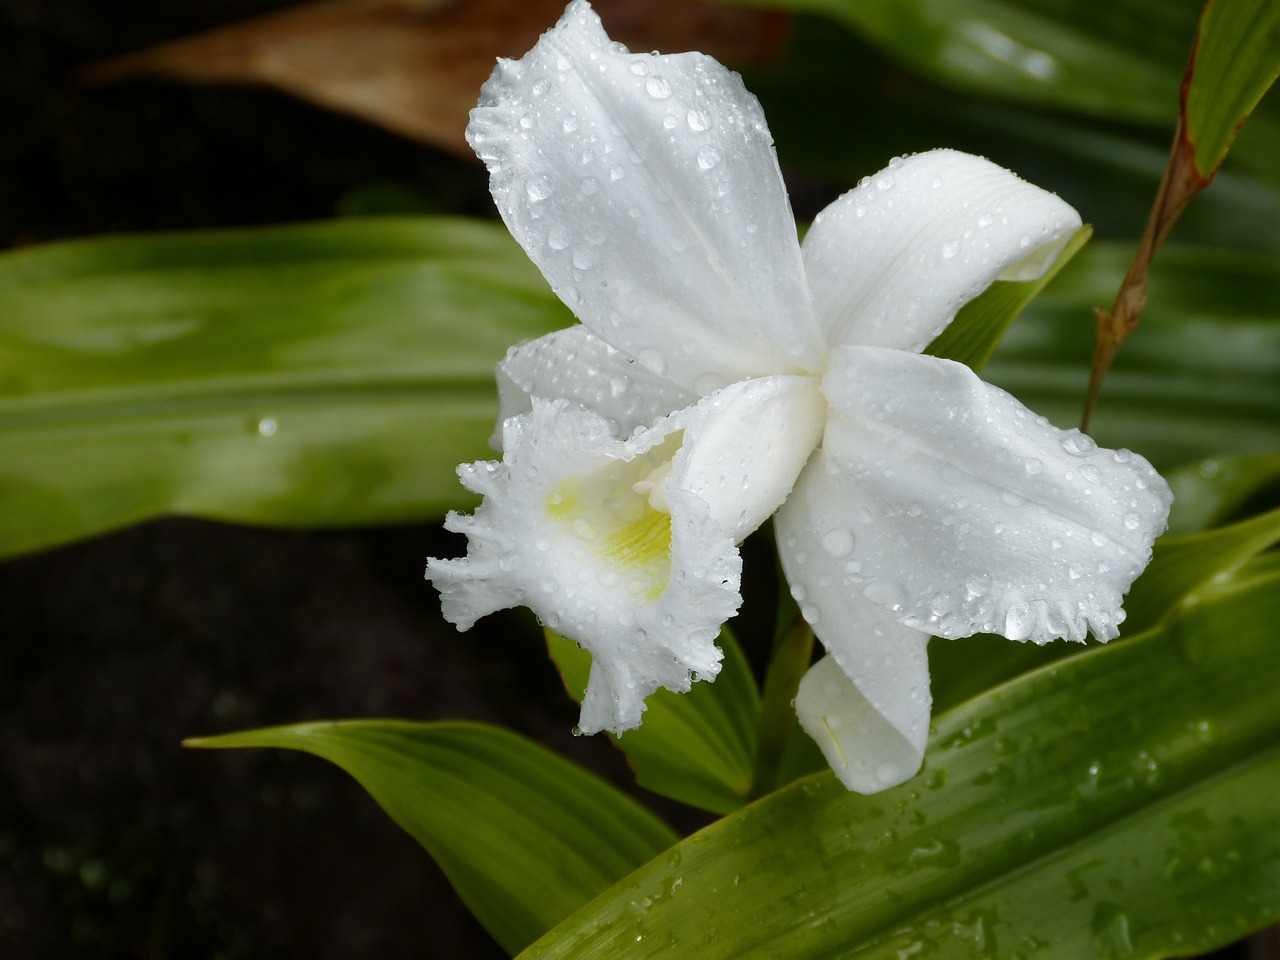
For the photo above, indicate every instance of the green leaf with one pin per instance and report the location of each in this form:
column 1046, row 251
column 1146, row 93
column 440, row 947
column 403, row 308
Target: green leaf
column 524, row 836
column 1200, row 379
column 311, row 375
column 1235, row 61
column 1215, row 490
column 975, row 333
column 697, row 747
column 1121, row 804
column 1121, row 60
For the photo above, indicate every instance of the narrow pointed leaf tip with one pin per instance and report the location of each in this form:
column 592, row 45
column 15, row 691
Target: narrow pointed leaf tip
column 524, row 836
column 723, row 371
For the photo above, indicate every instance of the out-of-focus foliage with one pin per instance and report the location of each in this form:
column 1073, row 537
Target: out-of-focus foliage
column 318, row 375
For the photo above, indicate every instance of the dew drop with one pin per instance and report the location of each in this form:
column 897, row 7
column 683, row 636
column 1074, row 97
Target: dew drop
column 1019, row 621
column 697, row 121
column 538, row 188
column 267, row 427
column 838, row 543
column 1033, row 466
column 950, row 249
column 584, row 258
column 1132, row 521
column 1078, row 443
column 658, row 87
column 558, row 236
column 707, row 158
column 885, row 593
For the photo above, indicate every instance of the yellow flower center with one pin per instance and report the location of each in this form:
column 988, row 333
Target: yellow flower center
column 620, row 513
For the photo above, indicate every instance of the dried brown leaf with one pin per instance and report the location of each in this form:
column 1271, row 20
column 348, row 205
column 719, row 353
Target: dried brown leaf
column 416, row 66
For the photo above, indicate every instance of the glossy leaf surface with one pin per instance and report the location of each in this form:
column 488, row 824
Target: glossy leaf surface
column 1120, row 60
column 697, row 747
column 525, row 836
column 1236, row 59
column 1201, row 378
column 311, row 375
column 1217, row 489
column 1119, row 804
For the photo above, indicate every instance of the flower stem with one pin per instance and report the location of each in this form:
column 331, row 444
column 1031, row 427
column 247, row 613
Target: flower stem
column 792, row 652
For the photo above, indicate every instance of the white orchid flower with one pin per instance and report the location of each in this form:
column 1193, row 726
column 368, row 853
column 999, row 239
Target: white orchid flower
column 722, row 371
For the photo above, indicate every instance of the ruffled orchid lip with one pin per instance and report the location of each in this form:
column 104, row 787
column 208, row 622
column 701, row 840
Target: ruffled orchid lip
column 741, row 363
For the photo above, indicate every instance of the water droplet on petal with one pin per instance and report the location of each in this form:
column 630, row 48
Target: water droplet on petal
column 1019, row 621
column 697, row 121
column 838, row 543
column 538, row 188
column 658, row 87
column 1132, row 521
column 1033, row 466
column 707, row 158
column 1078, row 443
column 558, row 236
column 950, row 249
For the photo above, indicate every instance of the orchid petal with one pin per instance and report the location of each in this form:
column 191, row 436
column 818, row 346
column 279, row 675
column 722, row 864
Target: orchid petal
column 869, row 714
column 576, row 365
column 563, row 531
column 868, row 751
column 892, row 261
column 746, row 444
column 964, row 512
column 647, row 191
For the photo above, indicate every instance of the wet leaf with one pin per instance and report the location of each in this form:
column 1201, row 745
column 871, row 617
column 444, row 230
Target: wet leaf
column 1118, row 804
column 307, row 376
column 416, row 66
column 1119, row 60
column 980, row 325
column 1203, row 380
column 1236, row 59
column 697, row 747
column 524, row 836
column 1216, row 490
